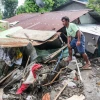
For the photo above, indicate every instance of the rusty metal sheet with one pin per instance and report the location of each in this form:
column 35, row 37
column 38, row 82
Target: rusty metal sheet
column 90, row 28
column 9, row 31
column 22, row 17
column 46, row 21
column 32, row 34
column 12, row 42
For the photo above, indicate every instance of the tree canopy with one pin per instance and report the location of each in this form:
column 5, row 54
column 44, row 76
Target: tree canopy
column 10, row 7
column 95, row 5
column 0, row 14
column 30, row 6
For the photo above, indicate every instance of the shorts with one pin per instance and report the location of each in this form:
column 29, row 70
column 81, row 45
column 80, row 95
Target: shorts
column 81, row 47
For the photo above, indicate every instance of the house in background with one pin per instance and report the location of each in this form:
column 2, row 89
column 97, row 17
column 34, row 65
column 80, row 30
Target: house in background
column 72, row 5
column 87, row 20
column 83, row 0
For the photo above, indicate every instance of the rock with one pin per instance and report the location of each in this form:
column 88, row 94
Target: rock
column 72, row 74
column 30, row 97
column 53, row 94
column 71, row 84
column 89, row 91
column 10, row 97
column 72, row 65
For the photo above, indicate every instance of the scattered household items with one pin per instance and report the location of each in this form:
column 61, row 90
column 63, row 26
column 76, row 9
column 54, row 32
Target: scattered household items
column 33, row 62
column 36, row 69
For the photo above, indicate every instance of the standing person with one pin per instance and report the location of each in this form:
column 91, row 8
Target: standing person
column 77, row 41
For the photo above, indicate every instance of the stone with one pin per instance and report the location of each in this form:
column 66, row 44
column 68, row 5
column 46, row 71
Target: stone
column 72, row 74
column 53, row 94
column 30, row 97
column 71, row 84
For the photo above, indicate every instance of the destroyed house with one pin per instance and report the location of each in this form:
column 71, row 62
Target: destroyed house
column 34, row 53
column 21, row 54
column 72, row 5
column 52, row 21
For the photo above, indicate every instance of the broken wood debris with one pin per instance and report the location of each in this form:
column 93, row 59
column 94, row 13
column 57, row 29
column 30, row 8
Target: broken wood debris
column 61, row 91
column 40, row 80
column 7, row 76
column 51, row 56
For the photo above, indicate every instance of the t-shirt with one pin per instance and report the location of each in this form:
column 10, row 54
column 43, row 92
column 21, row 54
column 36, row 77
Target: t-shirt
column 72, row 29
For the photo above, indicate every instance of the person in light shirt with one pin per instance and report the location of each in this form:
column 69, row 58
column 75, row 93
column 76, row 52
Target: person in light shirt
column 75, row 38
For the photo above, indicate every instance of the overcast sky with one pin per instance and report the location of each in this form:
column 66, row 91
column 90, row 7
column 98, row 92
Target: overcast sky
column 20, row 2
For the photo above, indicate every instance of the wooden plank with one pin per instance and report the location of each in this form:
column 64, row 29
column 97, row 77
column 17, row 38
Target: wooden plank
column 36, row 35
column 55, row 76
column 79, row 72
column 51, row 56
column 61, row 91
column 7, row 76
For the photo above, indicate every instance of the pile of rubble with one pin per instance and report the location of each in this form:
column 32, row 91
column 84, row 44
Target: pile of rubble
column 48, row 78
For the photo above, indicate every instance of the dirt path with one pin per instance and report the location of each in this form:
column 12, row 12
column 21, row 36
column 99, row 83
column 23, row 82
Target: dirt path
column 91, row 89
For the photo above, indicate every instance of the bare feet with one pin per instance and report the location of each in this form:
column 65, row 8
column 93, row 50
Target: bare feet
column 87, row 66
column 69, row 59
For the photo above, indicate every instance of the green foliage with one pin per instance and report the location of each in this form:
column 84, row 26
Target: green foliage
column 10, row 8
column 57, row 3
column 0, row 15
column 30, row 6
column 21, row 9
column 95, row 5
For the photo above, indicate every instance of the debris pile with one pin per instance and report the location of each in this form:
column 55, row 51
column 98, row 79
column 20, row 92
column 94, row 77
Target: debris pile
column 48, row 78
column 39, row 70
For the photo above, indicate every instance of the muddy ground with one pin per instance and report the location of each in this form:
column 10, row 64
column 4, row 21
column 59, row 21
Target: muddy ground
column 91, row 79
column 90, row 87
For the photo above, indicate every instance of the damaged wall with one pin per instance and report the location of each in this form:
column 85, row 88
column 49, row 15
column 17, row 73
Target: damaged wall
column 92, row 35
column 91, row 42
column 87, row 19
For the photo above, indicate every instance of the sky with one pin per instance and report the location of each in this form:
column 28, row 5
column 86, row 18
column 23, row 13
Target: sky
column 20, row 2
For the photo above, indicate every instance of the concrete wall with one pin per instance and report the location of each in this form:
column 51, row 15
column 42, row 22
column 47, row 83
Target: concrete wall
column 73, row 6
column 91, row 42
column 87, row 19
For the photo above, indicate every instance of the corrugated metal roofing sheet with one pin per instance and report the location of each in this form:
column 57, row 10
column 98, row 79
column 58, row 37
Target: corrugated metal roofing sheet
column 46, row 21
column 15, row 42
column 33, row 34
column 90, row 28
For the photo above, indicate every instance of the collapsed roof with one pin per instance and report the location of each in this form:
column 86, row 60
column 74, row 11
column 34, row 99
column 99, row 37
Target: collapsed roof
column 46, row 21
column 18, row 37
